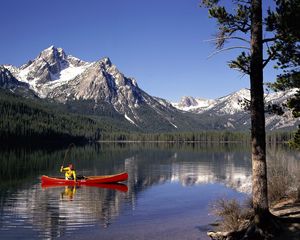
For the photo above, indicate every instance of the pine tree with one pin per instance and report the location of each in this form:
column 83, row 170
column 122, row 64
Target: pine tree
column 281, row 46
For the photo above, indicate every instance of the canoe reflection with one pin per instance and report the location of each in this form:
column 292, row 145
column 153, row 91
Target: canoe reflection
column 71, row 190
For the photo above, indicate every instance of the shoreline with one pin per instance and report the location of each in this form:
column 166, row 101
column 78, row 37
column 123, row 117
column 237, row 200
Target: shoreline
column 287, row 210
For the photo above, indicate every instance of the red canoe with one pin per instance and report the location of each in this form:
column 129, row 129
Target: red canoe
column 90, row 180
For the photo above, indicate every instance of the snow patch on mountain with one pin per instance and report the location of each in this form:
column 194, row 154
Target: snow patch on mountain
column 281, row 96
column 173, row 124
column 232, row 103
column 129, row 119
column 66, row 75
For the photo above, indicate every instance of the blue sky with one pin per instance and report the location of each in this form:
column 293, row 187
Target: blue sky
column 161, row 43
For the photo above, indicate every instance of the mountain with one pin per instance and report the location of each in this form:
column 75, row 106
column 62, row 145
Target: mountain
column 231, row 111
column 99, row 88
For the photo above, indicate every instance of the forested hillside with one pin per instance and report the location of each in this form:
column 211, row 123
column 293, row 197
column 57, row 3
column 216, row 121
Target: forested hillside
column 24, row 120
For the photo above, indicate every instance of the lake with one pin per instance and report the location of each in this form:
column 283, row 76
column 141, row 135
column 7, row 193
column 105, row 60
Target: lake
column 168, row 195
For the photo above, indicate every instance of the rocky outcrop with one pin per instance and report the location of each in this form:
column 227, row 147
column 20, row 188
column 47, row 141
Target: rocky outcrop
column 8, row 81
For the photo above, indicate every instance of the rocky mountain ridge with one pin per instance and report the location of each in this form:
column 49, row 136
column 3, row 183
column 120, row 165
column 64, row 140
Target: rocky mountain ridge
column 234, row 106
column 99, row 88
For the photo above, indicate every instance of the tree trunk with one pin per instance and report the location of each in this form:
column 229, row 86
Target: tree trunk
column 298, row 189
column 258, row 135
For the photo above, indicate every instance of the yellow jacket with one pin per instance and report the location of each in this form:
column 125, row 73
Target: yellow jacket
column 69, row 173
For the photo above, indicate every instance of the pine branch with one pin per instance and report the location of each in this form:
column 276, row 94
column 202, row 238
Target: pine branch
column 240, row 67
column 226, row 49
column 272, row 54
column 224, row 38
column 242, row 1
column 268, row 60
column 266, row 40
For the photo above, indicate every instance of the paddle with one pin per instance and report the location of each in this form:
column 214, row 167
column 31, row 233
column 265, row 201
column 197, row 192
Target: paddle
column 67, row 151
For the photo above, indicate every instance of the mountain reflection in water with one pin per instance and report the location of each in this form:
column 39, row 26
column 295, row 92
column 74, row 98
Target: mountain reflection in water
column 165, row 182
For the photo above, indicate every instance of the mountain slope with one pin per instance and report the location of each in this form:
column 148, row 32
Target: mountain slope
column 39, row 120
column 8, row 81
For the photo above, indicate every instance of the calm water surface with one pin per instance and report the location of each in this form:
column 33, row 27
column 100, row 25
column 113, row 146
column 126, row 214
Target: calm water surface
column 167, row 196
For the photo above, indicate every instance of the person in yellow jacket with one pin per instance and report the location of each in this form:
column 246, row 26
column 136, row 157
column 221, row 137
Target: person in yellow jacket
column 70, row 173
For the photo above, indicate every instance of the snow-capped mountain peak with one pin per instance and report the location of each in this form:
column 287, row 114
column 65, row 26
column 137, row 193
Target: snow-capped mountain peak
column 52, row 53
column 51, row 68
column 233, row 102
column 187, row 102
column 106, row 62
column 196, row 105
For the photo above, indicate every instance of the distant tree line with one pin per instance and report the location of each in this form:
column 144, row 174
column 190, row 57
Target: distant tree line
column 203, row 136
